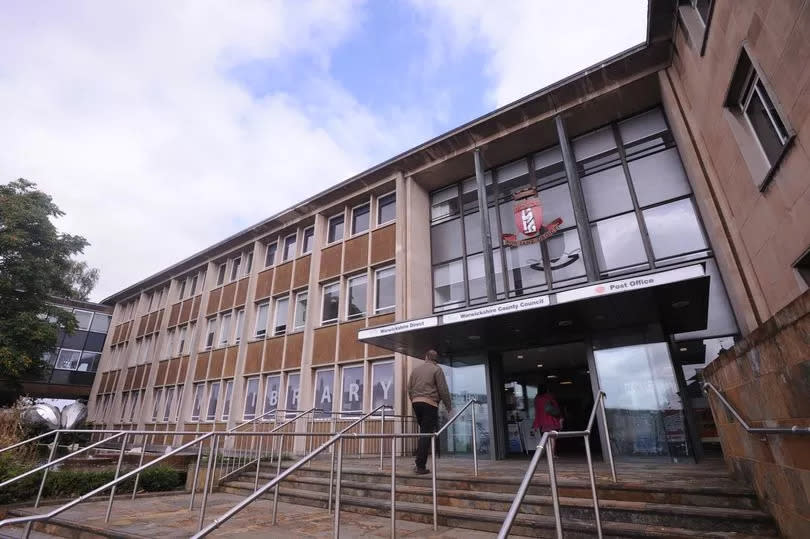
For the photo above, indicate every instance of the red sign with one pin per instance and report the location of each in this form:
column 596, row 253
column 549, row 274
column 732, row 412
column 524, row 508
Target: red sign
column 529, row 220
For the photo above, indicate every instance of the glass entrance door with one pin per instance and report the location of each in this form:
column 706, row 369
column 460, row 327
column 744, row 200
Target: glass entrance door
column 643, row 406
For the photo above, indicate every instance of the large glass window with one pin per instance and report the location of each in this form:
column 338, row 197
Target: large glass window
column 272, row 393
column 331, row 301
column 261, row 319
column 444, row 203
column 352, row 390
column 300, row 319
column 357, row 288
column 89, row 362
column 289, row 248
column 384, row 287
column 83, row 319
column 309, row 239
column 618, row 245
column 198, row 400
column 525, row 269
column 156, row 404
column 235, row 268
column 386, row 209
column 291, row 399
column 240, row 322
column 226, row 401
column 565, row 258
column 282, row 310
column 448, row 285
column 324, row 387
column 210, row 332
column 444, row 241
column 606, row 193
column 270, row 254
column 674, row 229
column 382, row 384
column 225, row 330
column 659, row 177
column 68, row 359
column 360, row 218
column 101, row 323
column 335, row 229
column 167, row 408
column 251, row 396
column 213, row 399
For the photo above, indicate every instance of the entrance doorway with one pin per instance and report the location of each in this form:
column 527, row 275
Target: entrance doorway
column 561, row 370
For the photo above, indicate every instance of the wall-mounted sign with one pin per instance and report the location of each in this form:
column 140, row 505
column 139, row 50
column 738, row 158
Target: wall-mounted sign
column 496, row 310
column 408, row 325
column 633, row 283
column 529, row 220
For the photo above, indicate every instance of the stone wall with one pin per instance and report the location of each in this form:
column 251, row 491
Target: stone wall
column 766, row 377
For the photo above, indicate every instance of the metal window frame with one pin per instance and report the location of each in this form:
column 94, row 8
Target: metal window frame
column 285, row 254
column 256, row 328
column 157, row 395
column 268, row 245
column 329, row 239
column 167, row 405
column 210, row 385
column 199, row 391
column 376, row 291
column 276, row 332
column 235, row 263
column 224, row 331
column 280, row 396
column 349, row 414
column 372, row 366
column 324, row 286
column 247, row 393
column 298, row 294
column 315, row 373
column 353, row 232
column 226, row 399
column 308, row 232
column 347, row 303
column 378, row 207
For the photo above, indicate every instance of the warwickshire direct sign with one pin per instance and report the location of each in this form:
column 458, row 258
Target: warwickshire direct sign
column 409, row 325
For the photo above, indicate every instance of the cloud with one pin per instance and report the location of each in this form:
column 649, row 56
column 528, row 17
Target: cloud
column 126, row 113
column 529, row 44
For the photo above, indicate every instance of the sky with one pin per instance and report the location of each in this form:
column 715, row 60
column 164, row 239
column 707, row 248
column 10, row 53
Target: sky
column 160, row 128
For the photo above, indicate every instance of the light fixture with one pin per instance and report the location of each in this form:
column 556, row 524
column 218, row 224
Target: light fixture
column 551, row 376
column 539, row 365
column 520, row 356
column 565, row 323
column 599, row 317
column 680, row 304
column 473, row 337
column 566, row 382
column 683, row 349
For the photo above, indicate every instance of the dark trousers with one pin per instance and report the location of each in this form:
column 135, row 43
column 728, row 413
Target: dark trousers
column 428, row 418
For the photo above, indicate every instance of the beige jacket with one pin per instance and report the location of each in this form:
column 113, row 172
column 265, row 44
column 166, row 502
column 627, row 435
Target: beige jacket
column 428, row 384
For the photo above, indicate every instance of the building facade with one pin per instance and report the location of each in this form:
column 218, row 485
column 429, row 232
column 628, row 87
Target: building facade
column 614, row 231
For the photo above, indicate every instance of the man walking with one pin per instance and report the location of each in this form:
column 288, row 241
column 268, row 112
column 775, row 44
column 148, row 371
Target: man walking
column 426, row 387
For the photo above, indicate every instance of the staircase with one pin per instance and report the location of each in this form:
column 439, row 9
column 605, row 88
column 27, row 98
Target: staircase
column 707, row 505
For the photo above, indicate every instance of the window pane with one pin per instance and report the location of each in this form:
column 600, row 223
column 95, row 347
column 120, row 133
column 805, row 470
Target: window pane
column 360, row 219
column 289, row 247
column 167, row 408
column 226, row 402
column 221, row 275
column 357, row 289
column 565, row 256
column 659, row 177
column 68, row 359
column 293, row 384
column 444, row 241
column 556, row 203
column 300, row 310
column 448, row 284
column 335, row 229
column 101, row 323
column 324, row 386
column 594, row 143
column 331, row 301
column 606, row 193
column 549, row 165
column 444, row 203
column 272, row 391
column 282, row 308
column 235, row 268
column 352, row 394
column 224, row 330
column 472, row 228
column 261, row 320
column 641, row 126
column 674, row 229
column 513, row 177
column 213, row 398
column 617, row 242
column 83, row 319
column 248, row 267
column 198, row 396
column 766, row 131
column 525, row 266
column 309, row 237
column 387, row 209
column 156, row 407
column 270, row 256
column 89, row 362
column 382, row 384
column 385, row 283
column 240, row 322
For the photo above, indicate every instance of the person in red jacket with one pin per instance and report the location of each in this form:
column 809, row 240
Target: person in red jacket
column 547, row 414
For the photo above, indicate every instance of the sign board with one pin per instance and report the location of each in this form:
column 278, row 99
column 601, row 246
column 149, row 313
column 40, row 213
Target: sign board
column 633, row 283
column 496, row 310
column 399, row 327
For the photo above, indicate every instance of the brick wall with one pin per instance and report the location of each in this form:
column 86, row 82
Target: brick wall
column 766, row 377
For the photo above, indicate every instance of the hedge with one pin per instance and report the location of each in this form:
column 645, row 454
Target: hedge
column 72, row 483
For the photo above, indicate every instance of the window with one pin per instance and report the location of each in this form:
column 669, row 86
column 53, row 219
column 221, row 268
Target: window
column 802, row 265
column 270, row 255
column 331, row 299
column 324, row 386
column 179, row 402
column 356, row 304
column 156, row 407
column 351, row 402
column 101, row 323
column 444, row 204
column 83, row 319
column 261, row 319
column 224, row 329
column 251, row 395
column 221, row 274
column 448, row 285
column 68, row 359
column 235, row 268
column 124, row 398
column 309, row 239
column 226, row 402
column 360, row 218
column 335, row 229
column 386, row 209
column 382, row 384
column 293, row 385
column 272, row 391
column 167, row 409
column 198, row 399
column 703, row 8
column 240, row 322
column 282, row 309
column 181, row 344
column 209, row 333
column 182, row 289
column 213, row 398
column 151, row 301
column 384, row 286
column 89, row 362
column 300, row 319
column 193, row 286
column 763, row 117
column 134, row 405
column 289, row 248
column 249, row 263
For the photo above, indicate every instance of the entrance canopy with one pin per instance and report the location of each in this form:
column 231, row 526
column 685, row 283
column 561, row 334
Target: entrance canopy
column 678, row 299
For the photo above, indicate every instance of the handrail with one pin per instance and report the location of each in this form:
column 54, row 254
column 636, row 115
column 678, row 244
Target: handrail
column 542, row 447
column 280, row 477
column 795, row 429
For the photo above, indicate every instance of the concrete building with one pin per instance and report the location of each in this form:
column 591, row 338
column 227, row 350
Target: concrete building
column 615, row 230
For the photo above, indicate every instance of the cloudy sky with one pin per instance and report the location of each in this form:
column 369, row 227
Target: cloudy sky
column 162, row 127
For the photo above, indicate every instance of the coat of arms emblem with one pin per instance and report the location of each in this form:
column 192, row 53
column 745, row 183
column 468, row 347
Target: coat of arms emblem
column 529, row 220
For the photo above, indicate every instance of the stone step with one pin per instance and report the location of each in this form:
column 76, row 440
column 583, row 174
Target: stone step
column 717, row 493
column 490, row 521
column 57, row 527
column 690, row 517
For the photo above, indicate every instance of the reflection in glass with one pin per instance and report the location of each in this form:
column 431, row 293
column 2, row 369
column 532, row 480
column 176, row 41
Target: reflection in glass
column 291, row 399
column 352, row 390
column 594, row 143
column 606, row 193
column 445, row 241
column 674, row 229
column 382, row 384
column 643, row 407
column 324, row 385
column 448, row 285
column 444, row 203
column 556, row 203
column 617, row 242
column 472, row 229
column 565, row 256
column 525, row 265
column 272, row 389
column 466, row 379
column 642, row 125
column 658, row 177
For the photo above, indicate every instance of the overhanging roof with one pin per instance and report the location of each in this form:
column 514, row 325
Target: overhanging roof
column 677, row 298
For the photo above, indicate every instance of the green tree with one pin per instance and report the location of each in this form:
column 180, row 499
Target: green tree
column 36, row 265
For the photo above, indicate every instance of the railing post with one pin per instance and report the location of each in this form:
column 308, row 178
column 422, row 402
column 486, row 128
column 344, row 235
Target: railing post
column 258, row 464
column 593, row 486
column 382, row 431
column 331, row 481
column 552, row 477
column 196, row 475
column 474, row 441
column 117, row 472
column 45, row 472
column 208, row 477
column 336, row 530
column 138, row 475
column 433, row 481
column 609, row 450
column 393, row 486
column 278, row 472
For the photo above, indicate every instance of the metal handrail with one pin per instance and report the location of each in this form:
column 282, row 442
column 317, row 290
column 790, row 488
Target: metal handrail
column 283, row 475
column 795, row 429
column 543, row 447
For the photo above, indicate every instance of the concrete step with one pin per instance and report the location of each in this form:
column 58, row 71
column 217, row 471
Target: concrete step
column 57, row 527
column 670, row 515
column 490, row 521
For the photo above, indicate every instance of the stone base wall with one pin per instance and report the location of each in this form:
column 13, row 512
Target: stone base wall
column 766, row 377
